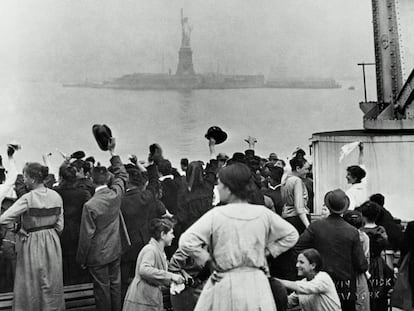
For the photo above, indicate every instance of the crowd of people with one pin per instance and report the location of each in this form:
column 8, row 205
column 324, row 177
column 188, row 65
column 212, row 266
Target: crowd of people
column 224, row 234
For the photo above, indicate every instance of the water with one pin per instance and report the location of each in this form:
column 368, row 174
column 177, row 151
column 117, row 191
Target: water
column 45, row 116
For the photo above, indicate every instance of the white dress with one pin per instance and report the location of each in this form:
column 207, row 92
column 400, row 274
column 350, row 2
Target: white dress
column 237, row 235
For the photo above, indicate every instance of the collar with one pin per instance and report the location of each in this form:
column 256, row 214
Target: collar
column 358, row 186
column 162, row 178
column 100, row 187
column 156, row 244
column 273, row 187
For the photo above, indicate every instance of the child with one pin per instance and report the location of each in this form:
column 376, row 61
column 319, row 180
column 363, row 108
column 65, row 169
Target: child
column 382, row 279
column 144, row 292
column 355, row 219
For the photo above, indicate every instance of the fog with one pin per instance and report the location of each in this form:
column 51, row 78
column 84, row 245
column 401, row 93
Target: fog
column 75, row 40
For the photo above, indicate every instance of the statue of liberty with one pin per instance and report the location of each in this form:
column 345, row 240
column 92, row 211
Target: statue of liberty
column 186, row 31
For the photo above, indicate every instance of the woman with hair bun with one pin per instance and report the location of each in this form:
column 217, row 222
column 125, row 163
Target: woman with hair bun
column 38, row 284
column 238, row 236
column 356, row 177
column 144, row 292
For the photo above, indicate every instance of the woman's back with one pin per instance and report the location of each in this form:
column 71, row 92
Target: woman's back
column 239, row 235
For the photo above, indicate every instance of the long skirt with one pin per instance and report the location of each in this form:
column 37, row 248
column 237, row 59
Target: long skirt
column 141, row 296
column 380, row 283
column 39, row 280
column 242, row 289
column 362, row 293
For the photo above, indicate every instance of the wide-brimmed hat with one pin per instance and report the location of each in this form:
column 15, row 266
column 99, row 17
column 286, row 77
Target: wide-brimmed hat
column 78, row 155
column 102, row 135
column 336, row 201
column 217, row 133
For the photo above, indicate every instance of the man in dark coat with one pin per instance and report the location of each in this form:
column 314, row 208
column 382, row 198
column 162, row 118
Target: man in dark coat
column 273, row 188
column 340, row 247
column 100, row 244
column 394, row 231
column 284, row 265
column 83, row 180
column 139, row 206
column 73, row 200
column 170, row 186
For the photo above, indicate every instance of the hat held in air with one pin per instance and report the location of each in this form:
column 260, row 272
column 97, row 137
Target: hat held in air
column 102, row 135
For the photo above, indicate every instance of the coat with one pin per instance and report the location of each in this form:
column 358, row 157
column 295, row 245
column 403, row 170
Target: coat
column 99, row 237
column 138, row 208
column 73, row 201
column 144, row 292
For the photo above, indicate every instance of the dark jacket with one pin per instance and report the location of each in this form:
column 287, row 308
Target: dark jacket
column 138, row 208
column 276, row 197
column 195, row 203
column 99, row 239
column 394, row 231
column 339, row 245
column 408, row 247
column 85, row 184
column 171, row 189
column 73, row 201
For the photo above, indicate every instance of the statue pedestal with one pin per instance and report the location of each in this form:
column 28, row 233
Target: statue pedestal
column 185, row 62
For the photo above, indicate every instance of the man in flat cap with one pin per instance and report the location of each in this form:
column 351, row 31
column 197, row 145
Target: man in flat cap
column 100, row 244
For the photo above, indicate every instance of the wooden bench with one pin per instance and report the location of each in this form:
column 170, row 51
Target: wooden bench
column 78, row 297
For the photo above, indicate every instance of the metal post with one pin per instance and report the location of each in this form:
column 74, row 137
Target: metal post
column 365, row 86
column 363, row 73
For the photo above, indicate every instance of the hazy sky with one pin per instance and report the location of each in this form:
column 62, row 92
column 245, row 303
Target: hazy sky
column 72, row 40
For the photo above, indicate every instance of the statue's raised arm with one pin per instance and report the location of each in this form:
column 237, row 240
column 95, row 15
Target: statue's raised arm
column 186, row 31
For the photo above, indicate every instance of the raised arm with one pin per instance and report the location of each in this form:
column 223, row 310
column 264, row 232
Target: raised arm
column 210, row 173
column 120, row 174
column 153, row 183
column 11, row 177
